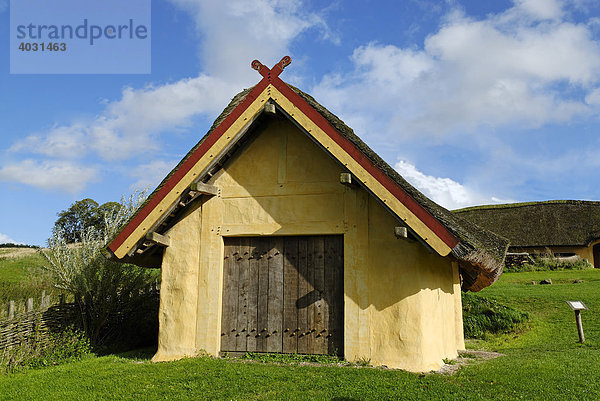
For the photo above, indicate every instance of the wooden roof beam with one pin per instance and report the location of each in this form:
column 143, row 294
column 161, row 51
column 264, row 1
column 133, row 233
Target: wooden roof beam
column 348, row 180
column 204, row 189
column 401, row 232
column 270, row 108
column 158, row 239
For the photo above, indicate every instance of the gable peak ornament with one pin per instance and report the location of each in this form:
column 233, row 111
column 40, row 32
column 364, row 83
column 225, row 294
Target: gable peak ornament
column 274, row 72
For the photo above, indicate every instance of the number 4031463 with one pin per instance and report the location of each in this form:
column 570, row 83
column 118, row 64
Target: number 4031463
column 47, row 47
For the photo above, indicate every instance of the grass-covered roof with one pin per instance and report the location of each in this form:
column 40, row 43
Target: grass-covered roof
column 539, row 224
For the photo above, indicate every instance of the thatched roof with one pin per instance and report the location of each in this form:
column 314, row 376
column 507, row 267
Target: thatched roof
column 480, row 253
column 540, row 224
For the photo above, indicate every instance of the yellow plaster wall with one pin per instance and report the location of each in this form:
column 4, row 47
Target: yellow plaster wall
column 458, row 315
column 401, row 303
column 412, row 298
column 227, row 138
column 179, row 290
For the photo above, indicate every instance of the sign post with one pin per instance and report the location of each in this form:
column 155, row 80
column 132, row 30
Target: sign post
column 578, row 306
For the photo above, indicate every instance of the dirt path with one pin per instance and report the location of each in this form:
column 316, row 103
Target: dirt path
column 467, row 358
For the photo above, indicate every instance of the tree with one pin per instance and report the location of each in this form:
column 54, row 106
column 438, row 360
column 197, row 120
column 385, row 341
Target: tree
column 80, row 215
column 102, row 289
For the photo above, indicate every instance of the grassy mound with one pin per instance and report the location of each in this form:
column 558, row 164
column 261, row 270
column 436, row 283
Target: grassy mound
column 483, row 316
column 22, row 275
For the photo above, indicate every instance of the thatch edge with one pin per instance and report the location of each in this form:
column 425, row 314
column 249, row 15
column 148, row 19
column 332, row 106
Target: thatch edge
column 479, row 269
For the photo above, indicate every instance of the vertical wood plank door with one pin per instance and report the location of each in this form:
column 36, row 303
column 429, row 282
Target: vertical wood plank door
column 596, row 255
column 283, row 294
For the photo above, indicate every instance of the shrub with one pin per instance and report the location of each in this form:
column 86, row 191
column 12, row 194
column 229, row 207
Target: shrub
column 483, row 316
column 550, row 264
column 106, row 292
column 11, row 245
column 542, row 264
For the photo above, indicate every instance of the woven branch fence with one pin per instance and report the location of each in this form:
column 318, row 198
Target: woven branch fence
column 13, row 308
column 22, row 322
column 39, row 322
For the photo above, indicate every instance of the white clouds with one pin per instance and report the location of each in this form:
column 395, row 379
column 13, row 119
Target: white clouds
column 445, row 191
column 543, row 51
column 53, row 175
column 62, row 142
column 392, row 65
column 593, row 97
column 539, row 9
column 526, row 66
column 130, row 125
column 5, row 239
column 149, row 175
column 235, row 32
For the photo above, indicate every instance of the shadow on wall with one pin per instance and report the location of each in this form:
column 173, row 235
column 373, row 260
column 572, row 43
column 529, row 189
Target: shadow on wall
column 278, row 156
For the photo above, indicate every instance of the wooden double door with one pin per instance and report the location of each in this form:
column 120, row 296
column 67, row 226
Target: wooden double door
column 283, row 294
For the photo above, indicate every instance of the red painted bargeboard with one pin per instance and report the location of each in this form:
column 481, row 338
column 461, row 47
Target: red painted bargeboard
column 357, row 155
column 187, row 165
column 426, row 217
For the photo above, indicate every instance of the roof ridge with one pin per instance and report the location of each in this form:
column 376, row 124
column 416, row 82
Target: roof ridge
column 529, row 203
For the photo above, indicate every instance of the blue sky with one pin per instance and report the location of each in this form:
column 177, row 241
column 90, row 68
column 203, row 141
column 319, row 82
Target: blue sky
column 473, row 102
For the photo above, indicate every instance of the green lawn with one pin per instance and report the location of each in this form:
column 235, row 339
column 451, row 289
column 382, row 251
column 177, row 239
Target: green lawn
column 544, row 363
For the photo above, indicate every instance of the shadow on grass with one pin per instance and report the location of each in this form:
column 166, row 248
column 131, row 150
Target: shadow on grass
column 144, row 354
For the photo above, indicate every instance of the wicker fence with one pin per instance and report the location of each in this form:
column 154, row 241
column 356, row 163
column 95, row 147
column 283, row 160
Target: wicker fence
column 34, row 321
column 44, row 319
column 11, row 309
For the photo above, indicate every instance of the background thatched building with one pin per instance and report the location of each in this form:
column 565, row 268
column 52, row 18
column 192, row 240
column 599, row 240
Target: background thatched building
column 564, row 228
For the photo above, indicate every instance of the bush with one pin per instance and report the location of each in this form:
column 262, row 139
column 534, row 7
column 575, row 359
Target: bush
column 482, row 316
column 550, row 264
column 107, row 293
column 45, row 350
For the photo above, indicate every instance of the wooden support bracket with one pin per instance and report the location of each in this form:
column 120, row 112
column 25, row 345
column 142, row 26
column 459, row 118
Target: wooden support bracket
column 204, row 189
column 159, row 239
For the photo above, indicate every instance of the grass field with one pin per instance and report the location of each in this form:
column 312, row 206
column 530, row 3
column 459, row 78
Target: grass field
column 21, row 275
column 543, row 363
